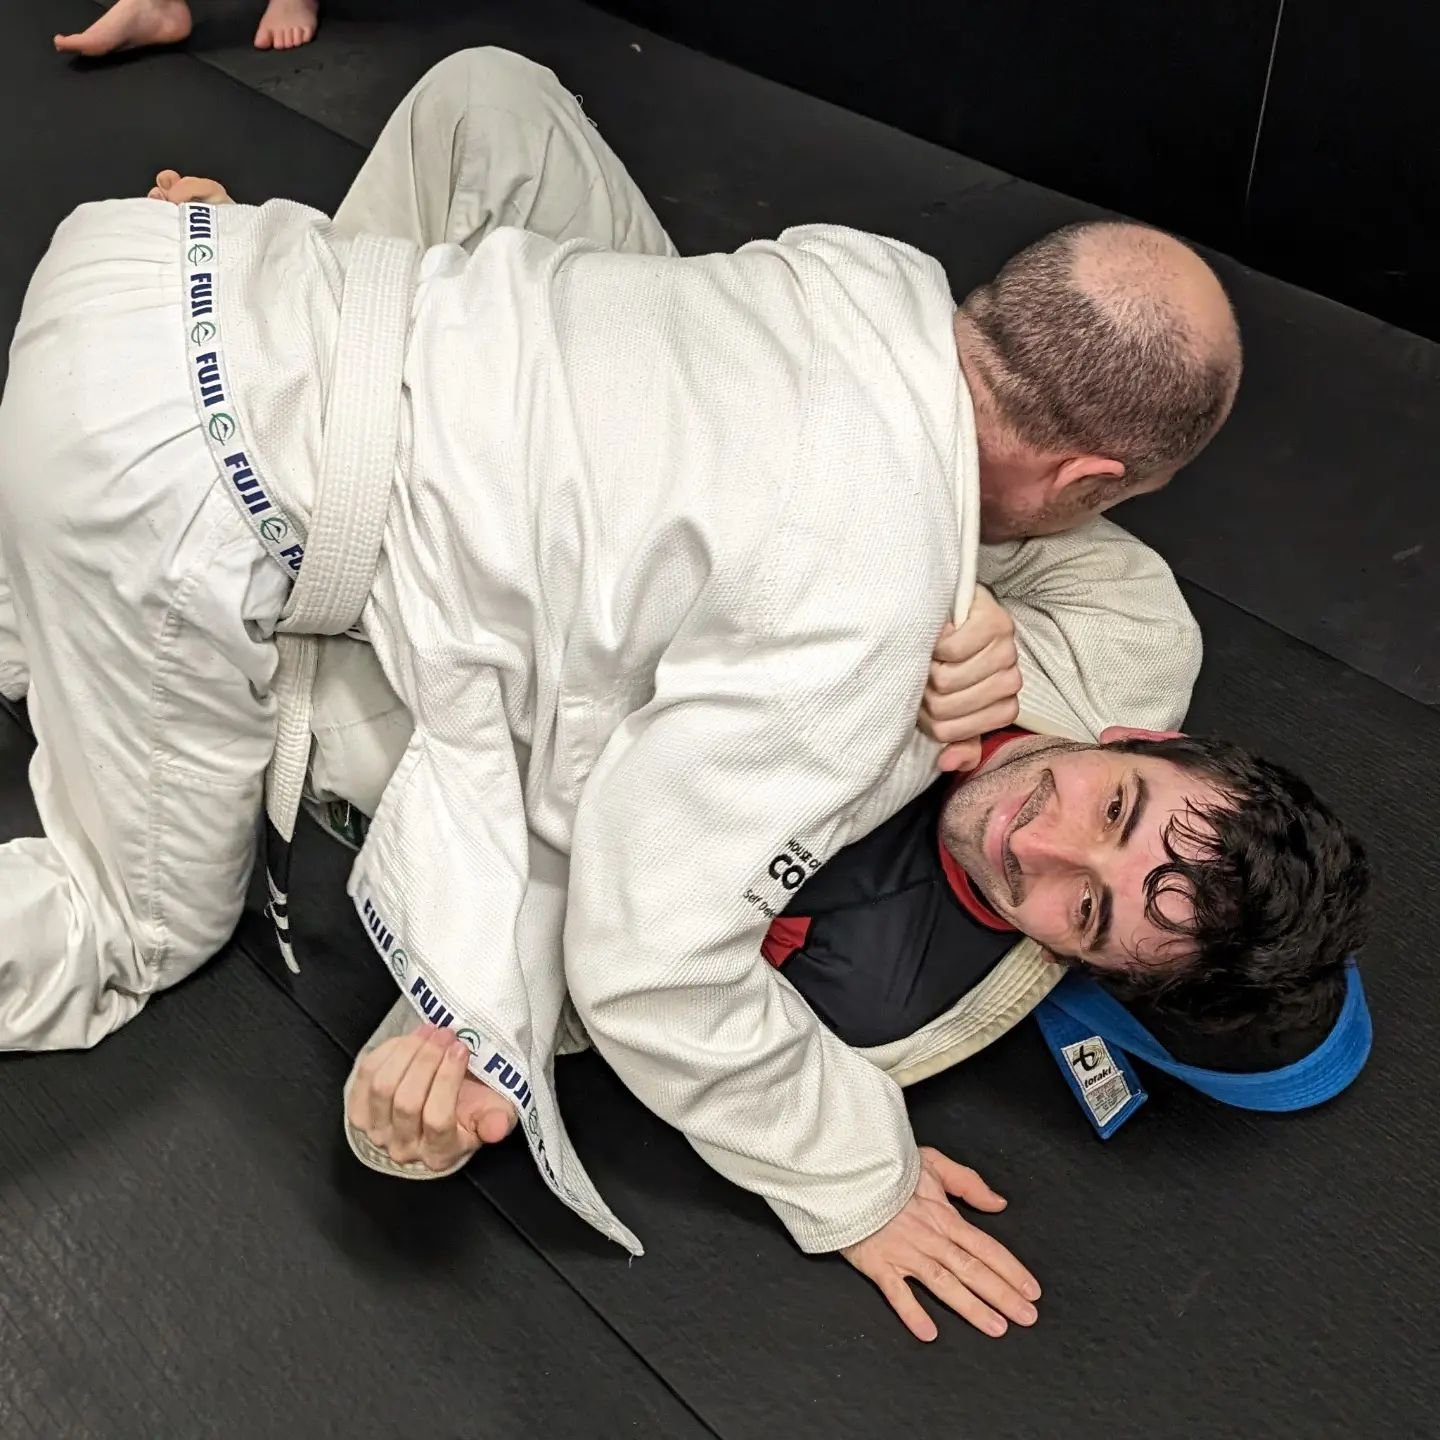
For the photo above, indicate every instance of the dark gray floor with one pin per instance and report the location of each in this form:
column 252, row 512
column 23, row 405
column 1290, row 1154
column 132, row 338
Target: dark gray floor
column 180, row 1194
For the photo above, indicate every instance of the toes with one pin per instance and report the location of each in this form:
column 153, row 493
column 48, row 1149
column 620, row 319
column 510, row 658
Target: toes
column 290, row 38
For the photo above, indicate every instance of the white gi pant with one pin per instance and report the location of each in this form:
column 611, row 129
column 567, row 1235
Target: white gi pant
column 137, row 608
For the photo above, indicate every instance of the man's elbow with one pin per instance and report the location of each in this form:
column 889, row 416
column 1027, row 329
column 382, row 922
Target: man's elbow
column 589, row 989
column 602, row 989
column 1178, row 661
column 1166, row 651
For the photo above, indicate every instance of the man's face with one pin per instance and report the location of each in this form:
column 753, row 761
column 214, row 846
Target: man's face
column 1020, row 500
column 1037, row 512
column 1060, row 838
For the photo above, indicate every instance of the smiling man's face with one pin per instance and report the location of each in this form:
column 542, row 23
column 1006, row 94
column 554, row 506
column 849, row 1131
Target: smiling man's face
column 1060, row 838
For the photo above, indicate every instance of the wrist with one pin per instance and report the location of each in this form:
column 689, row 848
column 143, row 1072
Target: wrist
column 820, row 1235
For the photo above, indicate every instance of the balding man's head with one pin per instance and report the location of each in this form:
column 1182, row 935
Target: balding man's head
column 1104, row 341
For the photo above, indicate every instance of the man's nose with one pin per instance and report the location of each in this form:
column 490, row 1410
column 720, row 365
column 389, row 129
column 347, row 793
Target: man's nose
column 1048, row 843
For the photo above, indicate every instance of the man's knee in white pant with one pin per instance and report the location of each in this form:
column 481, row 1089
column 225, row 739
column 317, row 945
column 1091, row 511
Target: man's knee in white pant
column 37, row 513
column 197, row 937
column 492, row 77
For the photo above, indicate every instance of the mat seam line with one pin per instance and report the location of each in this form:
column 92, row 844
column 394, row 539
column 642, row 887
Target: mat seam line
column 1264, row 102
column 1426, row 706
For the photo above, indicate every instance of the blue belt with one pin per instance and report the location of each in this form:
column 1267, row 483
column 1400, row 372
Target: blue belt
column 1094, row 1037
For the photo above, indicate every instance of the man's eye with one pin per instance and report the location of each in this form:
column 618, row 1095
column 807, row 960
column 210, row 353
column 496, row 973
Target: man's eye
column 1087, row 909
column 1115, row 809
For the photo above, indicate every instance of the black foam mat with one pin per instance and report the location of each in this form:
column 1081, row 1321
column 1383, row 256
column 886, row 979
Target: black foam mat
column 189, row 1249
column 1208, row 1272
column 1317, row 509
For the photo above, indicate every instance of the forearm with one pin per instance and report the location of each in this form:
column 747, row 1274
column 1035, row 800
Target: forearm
column 694, row 830
column 1103, row 633
column 772, row 1102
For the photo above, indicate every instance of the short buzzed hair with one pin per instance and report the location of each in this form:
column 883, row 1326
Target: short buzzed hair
column 1123, row 375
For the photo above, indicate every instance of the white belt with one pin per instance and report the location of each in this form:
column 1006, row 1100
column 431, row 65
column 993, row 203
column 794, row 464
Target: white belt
column 333, row 559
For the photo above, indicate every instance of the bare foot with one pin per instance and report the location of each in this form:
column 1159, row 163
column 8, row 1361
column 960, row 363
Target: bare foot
column 181, row 189
column 287, row 24
column 128, row 24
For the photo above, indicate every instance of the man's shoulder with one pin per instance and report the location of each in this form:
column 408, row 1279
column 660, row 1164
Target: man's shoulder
column 852, row 253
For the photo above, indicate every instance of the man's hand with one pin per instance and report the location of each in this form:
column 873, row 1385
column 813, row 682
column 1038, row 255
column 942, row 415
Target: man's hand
column 415, row 1100
column 977, row 1277
column 181, row 189
column 974, row 682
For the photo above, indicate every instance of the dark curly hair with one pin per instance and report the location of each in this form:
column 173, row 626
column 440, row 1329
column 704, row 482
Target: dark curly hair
column 1278, row 889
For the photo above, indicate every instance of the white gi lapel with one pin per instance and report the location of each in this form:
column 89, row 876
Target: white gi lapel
column 982, row 1015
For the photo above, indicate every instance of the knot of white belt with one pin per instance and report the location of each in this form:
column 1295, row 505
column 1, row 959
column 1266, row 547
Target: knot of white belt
column 346, row 523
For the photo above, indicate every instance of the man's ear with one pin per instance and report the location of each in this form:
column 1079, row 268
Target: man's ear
column 1129, row 732
column 1079, row 469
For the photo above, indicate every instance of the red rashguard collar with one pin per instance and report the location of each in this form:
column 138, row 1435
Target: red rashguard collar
column 965, row 892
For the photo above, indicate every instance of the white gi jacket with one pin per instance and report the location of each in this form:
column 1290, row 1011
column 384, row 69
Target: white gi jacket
column 669, row 546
